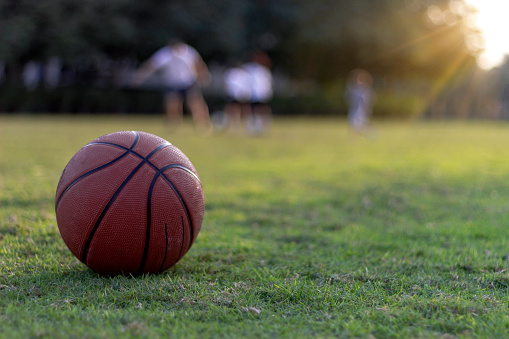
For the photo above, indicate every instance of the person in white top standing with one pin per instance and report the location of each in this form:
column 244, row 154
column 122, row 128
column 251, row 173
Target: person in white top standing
column 259, row 70
column 183, row 71
column 238, row 95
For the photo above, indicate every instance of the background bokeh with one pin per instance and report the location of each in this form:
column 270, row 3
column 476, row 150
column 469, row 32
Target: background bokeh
column 77, row 56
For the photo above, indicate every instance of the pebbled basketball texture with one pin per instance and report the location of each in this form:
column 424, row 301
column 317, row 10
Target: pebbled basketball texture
column 129, row 203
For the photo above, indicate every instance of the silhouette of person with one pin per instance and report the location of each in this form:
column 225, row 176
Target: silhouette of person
column 260, row 79
column 359, row 95
column 183, row 71
column 237, row 88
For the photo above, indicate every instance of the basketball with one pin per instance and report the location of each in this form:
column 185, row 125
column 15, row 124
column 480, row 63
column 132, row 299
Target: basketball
column 129, row 203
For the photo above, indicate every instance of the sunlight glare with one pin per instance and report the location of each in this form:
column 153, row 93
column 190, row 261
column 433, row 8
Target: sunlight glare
column 493, row 22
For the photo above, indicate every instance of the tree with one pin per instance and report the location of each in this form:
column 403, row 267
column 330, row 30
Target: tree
column 67, row 28
column 390, row 37
column 71, row 28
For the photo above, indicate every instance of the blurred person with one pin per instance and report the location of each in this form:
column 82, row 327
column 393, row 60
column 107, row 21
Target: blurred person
column 31, row 75
column 260, row 79
column 2, row 71
column 52, row 72
column 359, row 95
column 237, row 88
column 183, row 72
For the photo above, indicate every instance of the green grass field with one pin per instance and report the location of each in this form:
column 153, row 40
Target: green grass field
column 309, row 232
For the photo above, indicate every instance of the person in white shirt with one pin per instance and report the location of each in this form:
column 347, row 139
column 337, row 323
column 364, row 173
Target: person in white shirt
column 259, row 70
column 237, row 88
column 183, row 71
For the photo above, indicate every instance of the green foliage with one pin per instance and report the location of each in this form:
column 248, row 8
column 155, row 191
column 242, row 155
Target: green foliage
column 68, row 29
column 71, row 28
column 311, row 231
column 385, row 37
column 320, row 39
column 314, row 41
column 79, row 99
column 313, row 102
column 393, row 104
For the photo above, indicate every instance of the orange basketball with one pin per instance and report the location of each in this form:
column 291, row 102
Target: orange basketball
column 129, row 203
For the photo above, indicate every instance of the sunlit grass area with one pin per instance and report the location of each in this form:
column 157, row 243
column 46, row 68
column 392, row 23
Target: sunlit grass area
column 309, row 231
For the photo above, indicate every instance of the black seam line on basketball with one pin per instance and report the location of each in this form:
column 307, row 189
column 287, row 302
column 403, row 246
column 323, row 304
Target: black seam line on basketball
column 148, row 162
column 166, row 244
column 149, row 216
column 113, row 198
column 191, row 228
column 135, row 142
column 183, row 237
column 115, row 145
column 136, row 138
column 105, row 210
column 183, row 168
column 149, row 221
column 136, row 153
column 87, row 174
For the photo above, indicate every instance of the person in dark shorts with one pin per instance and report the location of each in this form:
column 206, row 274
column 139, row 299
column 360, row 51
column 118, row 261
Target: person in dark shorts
column 183, row 71
column 237, row 89
column 260, row 79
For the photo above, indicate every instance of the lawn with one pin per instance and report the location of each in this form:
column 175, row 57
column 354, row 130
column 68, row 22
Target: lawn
column 311, row 231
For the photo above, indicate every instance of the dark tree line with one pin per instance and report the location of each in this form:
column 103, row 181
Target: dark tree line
column 314, row 38
column 424, row 43
column 71, row 28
